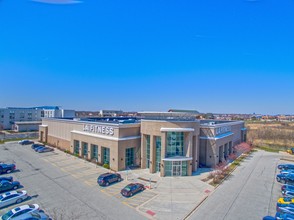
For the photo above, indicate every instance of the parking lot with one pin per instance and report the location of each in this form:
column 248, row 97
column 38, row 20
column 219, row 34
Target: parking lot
column 66, row 188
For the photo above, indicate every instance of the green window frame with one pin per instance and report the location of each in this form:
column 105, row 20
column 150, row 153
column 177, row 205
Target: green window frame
column 106, row 155
column 76, row 147
column 158, row 153
column 94, row 151
column 175, row 144
column 147, row 151
column 85, row 149
column 129, row 157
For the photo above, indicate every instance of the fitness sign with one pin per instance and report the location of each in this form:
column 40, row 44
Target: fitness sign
column 98, row 129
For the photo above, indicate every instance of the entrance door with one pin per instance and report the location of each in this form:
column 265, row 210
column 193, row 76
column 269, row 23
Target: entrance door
column 177, row 168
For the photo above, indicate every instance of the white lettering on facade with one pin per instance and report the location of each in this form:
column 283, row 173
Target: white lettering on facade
column 99, row 129
column 222, row 130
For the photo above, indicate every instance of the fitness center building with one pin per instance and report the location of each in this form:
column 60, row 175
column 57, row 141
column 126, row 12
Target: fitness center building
column 170, row 146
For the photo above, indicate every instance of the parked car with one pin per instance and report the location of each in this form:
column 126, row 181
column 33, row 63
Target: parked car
column 286, row 216
column 6, row 185
column 38, row 148
column 286, row 166
column 108, row 178
column 132, row 189
column 35, row 215
column 286, row 193
column 287, row 171
column 286, row 200
column 37, row 145
column 268, row 218
column 7, row 168
column 12, row 197
column 286, row 209
column 285, row 178
column 13, row 213
column 45, row 149
column 6, row 178
column 287, row 187
column 25, row 142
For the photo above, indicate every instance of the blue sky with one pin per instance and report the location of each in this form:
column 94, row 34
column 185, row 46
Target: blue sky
column 226, row 56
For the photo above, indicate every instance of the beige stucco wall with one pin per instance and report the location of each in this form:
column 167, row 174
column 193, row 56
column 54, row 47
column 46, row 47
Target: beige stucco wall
column 213, row 145
column 62, row 133
column 153, row 128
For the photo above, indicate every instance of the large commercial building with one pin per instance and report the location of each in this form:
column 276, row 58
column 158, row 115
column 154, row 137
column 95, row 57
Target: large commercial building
column 10, row 115
column 168, row 145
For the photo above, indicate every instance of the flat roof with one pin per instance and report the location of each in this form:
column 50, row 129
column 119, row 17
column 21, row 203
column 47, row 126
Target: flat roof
column 28, row 122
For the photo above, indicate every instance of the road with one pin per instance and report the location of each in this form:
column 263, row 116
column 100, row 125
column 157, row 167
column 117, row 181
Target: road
column 250, row 193
column 58, row 193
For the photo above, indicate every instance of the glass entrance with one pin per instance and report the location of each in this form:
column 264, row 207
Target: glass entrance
column 177, row 168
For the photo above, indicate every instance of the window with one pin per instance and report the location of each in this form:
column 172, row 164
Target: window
column 85, row 148
column 147, row 151
column 94, row 151
column 129, row 157
column 76, row 147
column 106, row 155
column 158, row 153
column 175, row 144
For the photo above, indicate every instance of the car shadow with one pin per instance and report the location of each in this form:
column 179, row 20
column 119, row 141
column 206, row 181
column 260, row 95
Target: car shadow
column 34, row 196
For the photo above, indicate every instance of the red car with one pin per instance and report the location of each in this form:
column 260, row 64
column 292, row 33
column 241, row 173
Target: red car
column 132, row 189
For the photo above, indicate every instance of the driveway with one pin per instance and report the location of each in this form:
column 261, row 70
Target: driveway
column 250, row 193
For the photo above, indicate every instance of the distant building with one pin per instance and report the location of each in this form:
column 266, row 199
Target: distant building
column 10, row 115
column 110, row 113
column 182, row 111
column 23, row 126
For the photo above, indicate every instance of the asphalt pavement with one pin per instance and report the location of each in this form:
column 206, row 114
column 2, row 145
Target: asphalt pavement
column 60, row 194
column 250, row 193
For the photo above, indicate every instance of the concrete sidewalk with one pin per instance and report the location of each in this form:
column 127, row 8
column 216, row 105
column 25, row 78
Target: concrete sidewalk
column 164, row 197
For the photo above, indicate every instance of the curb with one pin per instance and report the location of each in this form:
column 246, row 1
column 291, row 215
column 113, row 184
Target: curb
column 194, row 209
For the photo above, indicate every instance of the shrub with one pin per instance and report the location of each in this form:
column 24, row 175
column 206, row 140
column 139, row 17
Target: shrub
column 106, row 166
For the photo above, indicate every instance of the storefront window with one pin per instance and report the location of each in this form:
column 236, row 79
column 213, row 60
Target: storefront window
column 85, row 148
column 158, row 153
column 129, row 157
column 168, row 168
column 175, row 144
column 94, row 151
column 76, row 147
column 175, row 168
column 147, row 151
column 106, row 155
column 184, row 168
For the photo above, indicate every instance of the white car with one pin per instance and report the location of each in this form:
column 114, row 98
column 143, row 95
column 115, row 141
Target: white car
column 13, row 213
column 12, row 197
column 35, row 215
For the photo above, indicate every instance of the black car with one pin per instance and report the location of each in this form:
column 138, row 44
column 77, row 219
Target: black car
column 39, row 147
column 7, row 168
column 286, row 166
column 26, row 142
column 44, row 149
column 6, row 185
column 34, row 146
column 285, row 178
column 6, row 178
column 108, row 178
column 132, row 189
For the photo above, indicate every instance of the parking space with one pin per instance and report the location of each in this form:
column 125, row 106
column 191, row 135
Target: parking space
column 64, row 186
column 88, row 173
